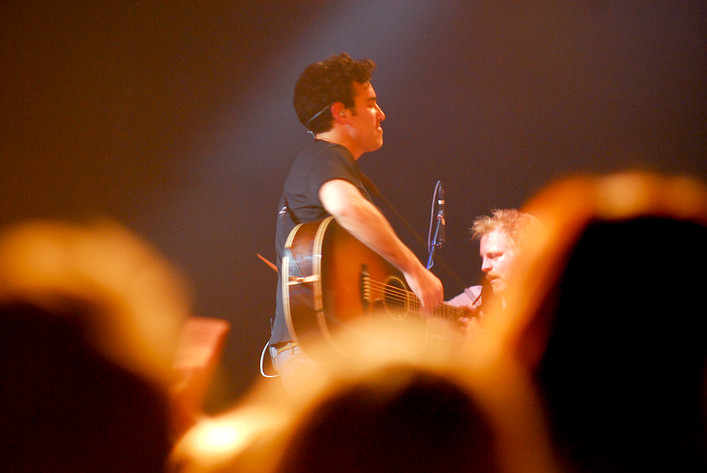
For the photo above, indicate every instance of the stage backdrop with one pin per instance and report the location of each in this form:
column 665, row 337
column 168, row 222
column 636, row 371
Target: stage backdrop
column 175, row 119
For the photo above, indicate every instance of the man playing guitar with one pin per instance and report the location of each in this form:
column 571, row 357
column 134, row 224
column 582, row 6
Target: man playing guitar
column 336, row 102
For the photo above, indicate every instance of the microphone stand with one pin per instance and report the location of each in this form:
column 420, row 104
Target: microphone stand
column 439, row 236
column 373, row 189
column 436, row 241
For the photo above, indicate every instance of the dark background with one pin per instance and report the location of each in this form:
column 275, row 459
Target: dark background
column 175, row 118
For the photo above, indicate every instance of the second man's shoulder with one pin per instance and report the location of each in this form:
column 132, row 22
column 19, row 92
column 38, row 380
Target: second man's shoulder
column 468, row 298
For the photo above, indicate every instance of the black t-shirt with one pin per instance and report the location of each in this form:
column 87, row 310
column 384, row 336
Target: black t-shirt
column 318, row 163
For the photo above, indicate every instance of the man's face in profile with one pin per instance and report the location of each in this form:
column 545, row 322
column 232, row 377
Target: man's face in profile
column 497, row 257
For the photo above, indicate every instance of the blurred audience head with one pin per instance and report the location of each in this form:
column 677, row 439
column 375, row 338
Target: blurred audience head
column 605, row 322
column 395, row 406
column 89, row 315
column 397, row 418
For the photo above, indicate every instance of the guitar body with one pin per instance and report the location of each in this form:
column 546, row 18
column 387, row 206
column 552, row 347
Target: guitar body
column 331, row 279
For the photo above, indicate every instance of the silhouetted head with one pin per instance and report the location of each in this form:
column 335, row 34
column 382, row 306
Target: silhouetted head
column 605, row 320
column 88, row 321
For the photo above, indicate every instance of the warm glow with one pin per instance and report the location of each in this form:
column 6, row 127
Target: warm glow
column 220, row 437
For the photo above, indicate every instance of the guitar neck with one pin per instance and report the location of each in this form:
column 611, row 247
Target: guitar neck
column 443, row 311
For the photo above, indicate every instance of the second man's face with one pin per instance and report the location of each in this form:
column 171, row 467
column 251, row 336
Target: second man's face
column 497, row 259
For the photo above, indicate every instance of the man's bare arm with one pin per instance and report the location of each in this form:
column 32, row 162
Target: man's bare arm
column 363, row 220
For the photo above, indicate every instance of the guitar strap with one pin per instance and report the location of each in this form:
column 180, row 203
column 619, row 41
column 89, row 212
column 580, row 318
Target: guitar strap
column 368, row 185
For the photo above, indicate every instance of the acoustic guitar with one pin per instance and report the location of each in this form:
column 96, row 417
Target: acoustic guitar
column 330, row 279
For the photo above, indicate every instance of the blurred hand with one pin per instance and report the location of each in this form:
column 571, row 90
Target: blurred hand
column 428, row 288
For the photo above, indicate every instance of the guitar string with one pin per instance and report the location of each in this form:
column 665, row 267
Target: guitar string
column 396, row 294
column 401, row 294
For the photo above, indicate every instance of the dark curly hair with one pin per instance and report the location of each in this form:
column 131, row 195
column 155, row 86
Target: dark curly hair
column 323, row 83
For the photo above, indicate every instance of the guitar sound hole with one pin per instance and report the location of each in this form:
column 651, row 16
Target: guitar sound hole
column 396, row 301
